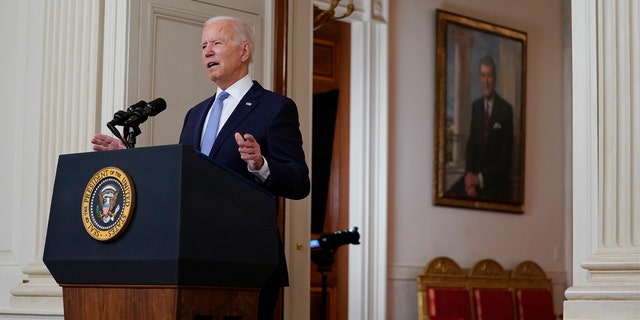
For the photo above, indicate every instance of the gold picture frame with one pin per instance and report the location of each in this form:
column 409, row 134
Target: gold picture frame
column 479, row 155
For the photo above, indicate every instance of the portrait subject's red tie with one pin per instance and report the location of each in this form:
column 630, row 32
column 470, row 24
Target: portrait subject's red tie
column 486, row 119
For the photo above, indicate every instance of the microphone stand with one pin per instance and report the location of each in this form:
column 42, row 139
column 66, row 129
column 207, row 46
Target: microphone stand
column 116, row 133
column 131, row 136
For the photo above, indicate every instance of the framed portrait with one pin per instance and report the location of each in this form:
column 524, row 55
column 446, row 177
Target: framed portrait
column 479, row 114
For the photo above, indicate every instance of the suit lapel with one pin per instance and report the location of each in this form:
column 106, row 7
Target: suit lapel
column 248, row 103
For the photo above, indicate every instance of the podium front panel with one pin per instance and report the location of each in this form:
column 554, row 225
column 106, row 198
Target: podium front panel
column 194, row 223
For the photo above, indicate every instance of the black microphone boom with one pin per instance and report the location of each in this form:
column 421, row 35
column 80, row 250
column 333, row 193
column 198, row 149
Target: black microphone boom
column 130, row 119
column 121, row 116
column 140, row 114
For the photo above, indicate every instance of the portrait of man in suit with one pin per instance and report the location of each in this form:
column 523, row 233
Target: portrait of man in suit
column 489, row 148
column 480, row 113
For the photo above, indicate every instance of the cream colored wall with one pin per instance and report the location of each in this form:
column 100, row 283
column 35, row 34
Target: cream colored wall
column 420, row 231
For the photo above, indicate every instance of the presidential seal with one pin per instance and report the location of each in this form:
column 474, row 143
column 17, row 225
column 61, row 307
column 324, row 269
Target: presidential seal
column 107, row 203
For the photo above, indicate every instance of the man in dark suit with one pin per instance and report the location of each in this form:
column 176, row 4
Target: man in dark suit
column 255, row 132
column 490, row 144
column 258, row 129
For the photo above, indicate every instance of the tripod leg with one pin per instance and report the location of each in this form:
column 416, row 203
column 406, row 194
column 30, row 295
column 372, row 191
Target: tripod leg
column 324, row 295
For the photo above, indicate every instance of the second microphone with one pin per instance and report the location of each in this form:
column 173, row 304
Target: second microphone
column 141, row 113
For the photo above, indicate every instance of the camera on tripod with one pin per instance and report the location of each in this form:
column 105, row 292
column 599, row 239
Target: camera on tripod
column 331, row 241
column 323, row 248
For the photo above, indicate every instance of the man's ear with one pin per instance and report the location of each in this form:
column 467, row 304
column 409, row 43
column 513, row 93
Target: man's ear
column 245, row 52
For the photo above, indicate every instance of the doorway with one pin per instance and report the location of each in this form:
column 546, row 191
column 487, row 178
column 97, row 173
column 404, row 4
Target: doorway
column 330, row 161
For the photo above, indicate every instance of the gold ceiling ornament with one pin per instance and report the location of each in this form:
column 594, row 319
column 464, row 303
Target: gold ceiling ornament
column 322, row 17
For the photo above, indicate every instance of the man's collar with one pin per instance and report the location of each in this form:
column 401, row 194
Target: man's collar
column 239, row 88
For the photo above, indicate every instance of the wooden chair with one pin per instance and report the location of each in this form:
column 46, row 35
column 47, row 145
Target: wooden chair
column 534, row 299
column 442, row 292
column 493, row 299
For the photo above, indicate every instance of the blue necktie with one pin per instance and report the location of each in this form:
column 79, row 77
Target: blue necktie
column 211, row 131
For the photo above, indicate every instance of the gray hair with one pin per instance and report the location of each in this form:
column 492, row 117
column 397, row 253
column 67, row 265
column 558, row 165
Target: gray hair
column 242, row 31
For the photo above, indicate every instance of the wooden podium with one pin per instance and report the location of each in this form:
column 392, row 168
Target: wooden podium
column 197, row 244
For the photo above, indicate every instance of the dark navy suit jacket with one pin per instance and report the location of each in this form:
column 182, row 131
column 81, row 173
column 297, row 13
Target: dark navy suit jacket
column 273, row 120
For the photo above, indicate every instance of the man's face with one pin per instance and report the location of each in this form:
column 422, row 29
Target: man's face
column 487, row 80
column 223, row 59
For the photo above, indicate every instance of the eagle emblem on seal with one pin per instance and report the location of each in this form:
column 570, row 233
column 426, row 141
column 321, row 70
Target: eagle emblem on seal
column 107, row 209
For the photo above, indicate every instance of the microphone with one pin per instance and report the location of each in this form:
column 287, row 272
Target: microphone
column 121, row 116
column 142, row 112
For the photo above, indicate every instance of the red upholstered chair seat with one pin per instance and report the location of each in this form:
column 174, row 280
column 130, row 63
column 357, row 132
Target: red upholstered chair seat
column 494, row 304
column 485, row 292
column 448, row 304
column 535, row 304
